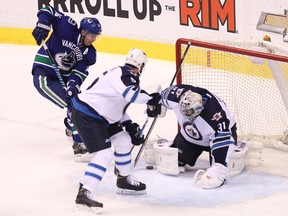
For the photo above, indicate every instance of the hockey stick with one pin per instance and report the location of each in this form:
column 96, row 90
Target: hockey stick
column 143, row 127
column 57, row 71
column 155, row 119
column 141, row 132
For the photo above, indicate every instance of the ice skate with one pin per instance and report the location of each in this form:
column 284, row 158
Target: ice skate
column 68, row 129
column 81, row 153
column 79, row 148
column 130, row 185
column 86, row 201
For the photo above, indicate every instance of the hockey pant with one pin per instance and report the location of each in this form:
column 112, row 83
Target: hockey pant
column 98, row 137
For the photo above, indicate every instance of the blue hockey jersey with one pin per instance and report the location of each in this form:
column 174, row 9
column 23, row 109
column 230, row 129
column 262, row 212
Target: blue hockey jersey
column 72, row 57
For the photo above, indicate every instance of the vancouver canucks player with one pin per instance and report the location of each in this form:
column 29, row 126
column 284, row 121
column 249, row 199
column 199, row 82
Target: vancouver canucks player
column 72, row 49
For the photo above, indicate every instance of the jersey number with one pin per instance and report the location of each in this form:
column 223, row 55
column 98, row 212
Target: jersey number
column 72, row 22
column 96, row 80
column 221, row 126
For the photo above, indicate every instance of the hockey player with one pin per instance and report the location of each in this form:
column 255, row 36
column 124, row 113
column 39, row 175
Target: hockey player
column 73, row 52
column 206, row 124
column 99, row 114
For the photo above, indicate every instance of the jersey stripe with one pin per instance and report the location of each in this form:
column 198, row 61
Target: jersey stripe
column 131, row 93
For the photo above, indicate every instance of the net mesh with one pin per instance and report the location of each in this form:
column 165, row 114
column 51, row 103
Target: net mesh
column 247, row 84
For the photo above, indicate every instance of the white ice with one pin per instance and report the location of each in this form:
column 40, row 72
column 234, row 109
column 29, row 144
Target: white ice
column 40, row 177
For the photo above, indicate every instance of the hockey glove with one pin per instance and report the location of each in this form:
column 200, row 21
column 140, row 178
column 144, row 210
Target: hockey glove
column 41, row 31
column 153, row 105
column 72, row 88
column 134, row 131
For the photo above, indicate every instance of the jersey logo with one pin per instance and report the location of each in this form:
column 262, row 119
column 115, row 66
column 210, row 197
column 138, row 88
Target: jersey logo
column 192, row 131
column 179, row 92
column 133, row 80
column 217, row 116
column 65, row 61
column 58, row 15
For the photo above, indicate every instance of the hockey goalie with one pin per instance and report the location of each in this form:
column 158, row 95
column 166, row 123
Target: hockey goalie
column 206, row 125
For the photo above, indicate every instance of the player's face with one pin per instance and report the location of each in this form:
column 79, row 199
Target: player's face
column 90, row 38
column 140, row 71
column 188, row 112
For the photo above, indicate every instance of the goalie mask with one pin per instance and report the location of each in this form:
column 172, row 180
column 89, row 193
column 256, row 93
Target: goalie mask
column 191, row 104
column 137, row 58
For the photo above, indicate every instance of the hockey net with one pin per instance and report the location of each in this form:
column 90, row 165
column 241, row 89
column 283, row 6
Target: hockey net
column 251, row 77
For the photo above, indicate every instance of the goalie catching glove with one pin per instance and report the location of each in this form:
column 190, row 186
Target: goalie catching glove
column 134, row 131
column 41, row 31
column 154, row 107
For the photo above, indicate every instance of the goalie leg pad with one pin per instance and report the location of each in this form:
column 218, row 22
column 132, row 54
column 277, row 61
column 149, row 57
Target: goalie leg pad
column 213, row 177
column 271, row 142
column 237, row 162
column 166, row 158
column 253, row 157
column 149, row 151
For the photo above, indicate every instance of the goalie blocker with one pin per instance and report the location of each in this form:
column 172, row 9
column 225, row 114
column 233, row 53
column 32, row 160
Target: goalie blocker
column 159, row 153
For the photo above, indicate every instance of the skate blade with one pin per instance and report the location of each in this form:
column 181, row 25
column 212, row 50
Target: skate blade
column 130, row 192
column 84, row 208
column 87, row 157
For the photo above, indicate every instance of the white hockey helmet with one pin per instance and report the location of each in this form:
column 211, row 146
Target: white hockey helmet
column 191, row 104
column 137, row 58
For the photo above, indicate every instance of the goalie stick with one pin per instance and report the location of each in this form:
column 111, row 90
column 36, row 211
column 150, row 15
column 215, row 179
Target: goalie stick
column 155, row 119
column 54, row 64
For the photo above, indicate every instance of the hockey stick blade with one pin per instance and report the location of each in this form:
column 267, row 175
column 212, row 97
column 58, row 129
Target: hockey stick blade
column 145, row 141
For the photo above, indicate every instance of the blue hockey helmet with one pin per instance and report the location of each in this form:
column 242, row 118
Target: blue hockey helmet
column 91, row 25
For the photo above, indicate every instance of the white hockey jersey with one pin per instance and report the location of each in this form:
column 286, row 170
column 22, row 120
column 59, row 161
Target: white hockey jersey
column 110, row 95
column 212, row 127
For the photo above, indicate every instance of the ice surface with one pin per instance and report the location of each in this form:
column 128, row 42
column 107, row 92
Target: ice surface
column 39, row 175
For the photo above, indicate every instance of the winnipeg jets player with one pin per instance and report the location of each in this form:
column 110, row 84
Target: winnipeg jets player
column 206, row 124
column 73, row 52
column 99, row 114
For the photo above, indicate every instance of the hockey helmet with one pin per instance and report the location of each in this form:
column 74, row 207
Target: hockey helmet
column 191, row 104
column 91, row 25
column 137, row 57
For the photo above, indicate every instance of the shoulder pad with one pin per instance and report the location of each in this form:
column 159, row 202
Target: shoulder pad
column 129, row 78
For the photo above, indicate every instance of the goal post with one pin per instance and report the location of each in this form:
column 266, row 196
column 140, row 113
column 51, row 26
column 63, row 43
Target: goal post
column 250, row 76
